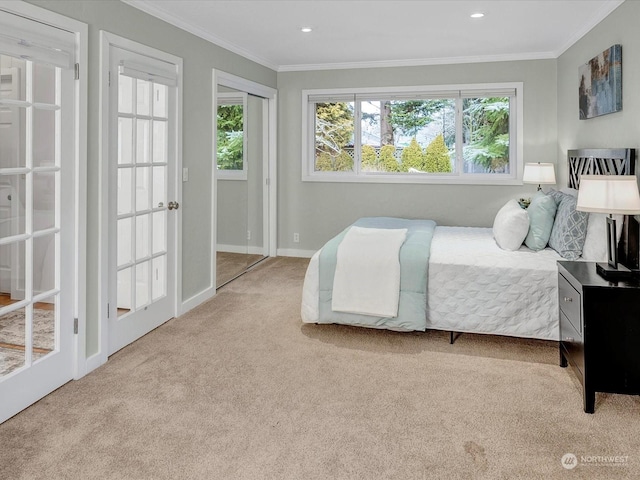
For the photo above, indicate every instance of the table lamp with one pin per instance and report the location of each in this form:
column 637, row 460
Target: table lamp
column 540, row 173
column 610, row 194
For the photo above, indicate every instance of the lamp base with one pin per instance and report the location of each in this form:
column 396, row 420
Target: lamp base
column 610, row 273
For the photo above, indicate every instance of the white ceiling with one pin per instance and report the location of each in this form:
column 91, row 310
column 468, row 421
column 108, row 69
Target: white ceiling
column 361, row 33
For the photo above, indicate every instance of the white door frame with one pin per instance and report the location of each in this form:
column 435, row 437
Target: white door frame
column 107, row 41
column 269, row 171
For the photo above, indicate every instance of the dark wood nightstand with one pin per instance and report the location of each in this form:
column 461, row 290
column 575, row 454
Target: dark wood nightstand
column 599, row 330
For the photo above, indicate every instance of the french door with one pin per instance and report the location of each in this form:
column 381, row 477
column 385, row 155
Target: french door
column 37, row 211
column 143, row 195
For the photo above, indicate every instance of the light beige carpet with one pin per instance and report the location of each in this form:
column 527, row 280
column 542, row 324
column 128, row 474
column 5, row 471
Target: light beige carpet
column 240, row 389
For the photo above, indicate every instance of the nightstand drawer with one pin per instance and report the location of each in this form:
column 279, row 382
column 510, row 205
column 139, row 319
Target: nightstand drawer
column 569, row 302
column 572, row 342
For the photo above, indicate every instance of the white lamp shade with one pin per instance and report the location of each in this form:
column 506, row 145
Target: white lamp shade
column 540, row 173
column 609, row 194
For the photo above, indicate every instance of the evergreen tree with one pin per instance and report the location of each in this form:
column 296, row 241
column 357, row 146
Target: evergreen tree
column 344, row 162
column 369, row 158
column 412, row 156
column 324, row 163
column 388, row 162
column 437, row 158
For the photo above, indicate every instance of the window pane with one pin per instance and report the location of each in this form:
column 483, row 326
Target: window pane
column 486, row 135
column 159, row 187
column 12, row 149
column 44, row 327
column 414, row 136
column 334, row 129
column 160, row 100
column 124, row 241
column 159, row 141
column 12, row 335
column 159, row 232
column 125, row 175
column 13, row 270
column 230, row 137
column 125, row 94
column 125, row 140
column 44, row 84
column 124, row 290
column 159, row 277
column 142, row 141
column 44, row 137
column 12, row 205
column 142, row 236
column 44, row 263
column 142, row 188
column 143, row 286
column 13, row 78
column 143, row 98
column 44, row 200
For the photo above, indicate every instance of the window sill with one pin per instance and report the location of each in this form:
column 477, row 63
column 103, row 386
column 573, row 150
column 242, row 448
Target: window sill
column 496, row 180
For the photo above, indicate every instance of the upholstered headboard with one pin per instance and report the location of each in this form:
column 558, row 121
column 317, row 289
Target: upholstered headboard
column 610, row 161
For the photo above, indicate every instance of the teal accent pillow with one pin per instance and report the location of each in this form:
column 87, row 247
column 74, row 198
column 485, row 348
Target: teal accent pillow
column 569, row 229
column 542, row 212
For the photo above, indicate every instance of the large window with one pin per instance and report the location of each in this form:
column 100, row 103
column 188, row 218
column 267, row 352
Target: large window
column 453, row 134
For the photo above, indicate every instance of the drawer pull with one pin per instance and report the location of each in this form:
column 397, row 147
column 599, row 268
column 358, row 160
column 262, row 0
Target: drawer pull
column 568, row 299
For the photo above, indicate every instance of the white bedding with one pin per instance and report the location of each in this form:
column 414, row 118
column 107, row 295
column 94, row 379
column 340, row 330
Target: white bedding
column 476, row 287
column 364, row 256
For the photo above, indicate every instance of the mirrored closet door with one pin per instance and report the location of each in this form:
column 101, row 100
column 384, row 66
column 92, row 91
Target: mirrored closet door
column 241, row 154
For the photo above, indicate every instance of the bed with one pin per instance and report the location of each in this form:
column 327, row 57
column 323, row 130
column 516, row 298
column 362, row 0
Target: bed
column 458, row 279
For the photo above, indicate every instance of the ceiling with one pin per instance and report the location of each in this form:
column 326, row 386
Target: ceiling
column 374, row 33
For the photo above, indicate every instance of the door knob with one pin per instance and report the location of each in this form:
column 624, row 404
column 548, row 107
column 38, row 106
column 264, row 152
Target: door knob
column 173, row 205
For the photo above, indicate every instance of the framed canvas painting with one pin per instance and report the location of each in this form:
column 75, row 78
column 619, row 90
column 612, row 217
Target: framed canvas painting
column 600, row 90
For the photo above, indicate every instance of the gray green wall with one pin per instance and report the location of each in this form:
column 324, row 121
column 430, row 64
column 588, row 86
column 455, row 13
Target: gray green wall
column 200, row 57
column 621, row 129
column 317, row 211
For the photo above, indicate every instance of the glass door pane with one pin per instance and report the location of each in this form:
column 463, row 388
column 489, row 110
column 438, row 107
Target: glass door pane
column 30, row 159
column 142, row 193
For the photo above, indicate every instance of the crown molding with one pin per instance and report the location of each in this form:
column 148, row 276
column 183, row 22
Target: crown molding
column 156, row 11
column 417, row 62
column 153, row 9
column 598, row 16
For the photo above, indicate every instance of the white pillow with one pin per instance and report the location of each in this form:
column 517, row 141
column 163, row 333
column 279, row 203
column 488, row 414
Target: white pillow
column 595, row 243
column 511, row 225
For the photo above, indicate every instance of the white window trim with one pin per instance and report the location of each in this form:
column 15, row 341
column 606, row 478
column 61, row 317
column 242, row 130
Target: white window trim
column 516, row 127
column 239, row 98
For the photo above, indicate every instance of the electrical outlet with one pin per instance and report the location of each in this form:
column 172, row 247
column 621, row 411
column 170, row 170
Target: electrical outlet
column 248, row 234
column 296, row 237
column 185, row 174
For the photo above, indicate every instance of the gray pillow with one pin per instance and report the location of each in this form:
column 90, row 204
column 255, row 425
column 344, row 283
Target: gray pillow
column 569, row 228
column 542, row 212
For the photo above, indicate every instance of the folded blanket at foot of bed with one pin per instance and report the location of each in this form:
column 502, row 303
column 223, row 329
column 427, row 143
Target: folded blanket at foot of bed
column 414, row 262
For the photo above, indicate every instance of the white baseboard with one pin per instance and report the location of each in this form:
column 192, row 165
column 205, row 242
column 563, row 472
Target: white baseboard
column 240, row 249
column 196, row 300
column 293, row 252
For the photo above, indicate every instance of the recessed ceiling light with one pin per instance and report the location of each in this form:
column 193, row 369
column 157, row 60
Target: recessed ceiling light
column 306, row 29
column 477, row 15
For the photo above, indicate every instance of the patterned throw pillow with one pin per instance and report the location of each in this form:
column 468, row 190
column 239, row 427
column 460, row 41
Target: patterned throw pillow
column 569, row 228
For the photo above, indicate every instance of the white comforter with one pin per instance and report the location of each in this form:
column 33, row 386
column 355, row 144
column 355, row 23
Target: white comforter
column 475, row 286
